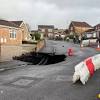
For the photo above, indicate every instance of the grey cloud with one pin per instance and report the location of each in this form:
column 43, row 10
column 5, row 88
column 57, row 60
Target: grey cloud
column 75, row 3
column 57, row 12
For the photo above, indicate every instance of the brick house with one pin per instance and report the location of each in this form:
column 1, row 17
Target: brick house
column 77, row 28
column 97, row 29
column 90, row 34
column 46, row 29
column 60, row 33
column 25, row 29
column 10, row 40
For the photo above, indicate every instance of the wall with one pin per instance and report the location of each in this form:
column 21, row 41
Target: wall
column 80, row 30
column 26, row 48
column 9, row 51
column 89, row 42
column 5, row 34
column 33, row 47
column 25, row 32
column 40, row 45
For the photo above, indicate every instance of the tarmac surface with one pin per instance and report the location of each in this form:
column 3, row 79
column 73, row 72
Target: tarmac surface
column 22, row 81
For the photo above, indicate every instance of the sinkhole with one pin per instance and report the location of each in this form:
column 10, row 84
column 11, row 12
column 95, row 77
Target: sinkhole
column 41, row 58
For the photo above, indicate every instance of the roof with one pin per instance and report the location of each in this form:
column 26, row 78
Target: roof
column 81, row 24
column 17, row 22
column 66, row 31
column 34, row 30
column 8, row 23
column 90, row 30
column 46, row 26
column 98, row 25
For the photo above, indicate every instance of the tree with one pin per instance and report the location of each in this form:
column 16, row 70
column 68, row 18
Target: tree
column 37, row 36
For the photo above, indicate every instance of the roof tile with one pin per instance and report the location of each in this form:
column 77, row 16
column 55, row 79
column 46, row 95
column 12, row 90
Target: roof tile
column 8, row 23
column 81, row 24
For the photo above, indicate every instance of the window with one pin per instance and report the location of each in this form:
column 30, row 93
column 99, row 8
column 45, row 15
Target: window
column 89, row 35
column 1, row 40
column 50, row 30
column 43, row 30
column 12, row 33
column 94, row 35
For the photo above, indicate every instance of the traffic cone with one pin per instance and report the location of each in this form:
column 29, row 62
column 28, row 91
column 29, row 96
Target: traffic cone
column 70, row 52
column 98, row 47
column 81, row 46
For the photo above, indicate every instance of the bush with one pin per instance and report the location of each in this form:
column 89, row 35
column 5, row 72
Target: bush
column 37, row 36
column 71, row 36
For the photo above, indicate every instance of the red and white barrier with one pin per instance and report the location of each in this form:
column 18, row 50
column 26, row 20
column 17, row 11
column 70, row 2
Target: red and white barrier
column 85, row 69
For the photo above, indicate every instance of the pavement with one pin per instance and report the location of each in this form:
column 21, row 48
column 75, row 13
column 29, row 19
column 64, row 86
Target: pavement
column 49, row 82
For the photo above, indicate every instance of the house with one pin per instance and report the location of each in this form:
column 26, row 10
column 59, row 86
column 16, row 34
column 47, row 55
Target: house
column 97, row 26
column 60, row 33
column 25, row 29
column 89, row 37
column 97, row 29
column 91, row 33
column 66, row 31
column 77, row 28
column 47, row 30
column 10, row 40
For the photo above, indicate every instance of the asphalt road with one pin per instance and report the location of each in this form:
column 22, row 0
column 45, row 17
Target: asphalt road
column 49, row 82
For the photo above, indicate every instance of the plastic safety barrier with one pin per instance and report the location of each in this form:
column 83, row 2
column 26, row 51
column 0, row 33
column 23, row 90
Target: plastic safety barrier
column 85, row 69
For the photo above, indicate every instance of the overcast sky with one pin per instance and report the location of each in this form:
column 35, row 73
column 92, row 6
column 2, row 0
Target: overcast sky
column 52, row 12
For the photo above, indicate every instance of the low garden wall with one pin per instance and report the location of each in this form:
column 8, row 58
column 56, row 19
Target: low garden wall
column 7, row 52
column 89, row 42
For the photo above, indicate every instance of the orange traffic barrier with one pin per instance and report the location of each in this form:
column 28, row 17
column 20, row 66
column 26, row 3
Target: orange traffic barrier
column 98, row 47
column 81, row 45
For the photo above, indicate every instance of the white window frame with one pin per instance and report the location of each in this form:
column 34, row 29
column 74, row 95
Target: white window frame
column 50, row 30
column 12, row 33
